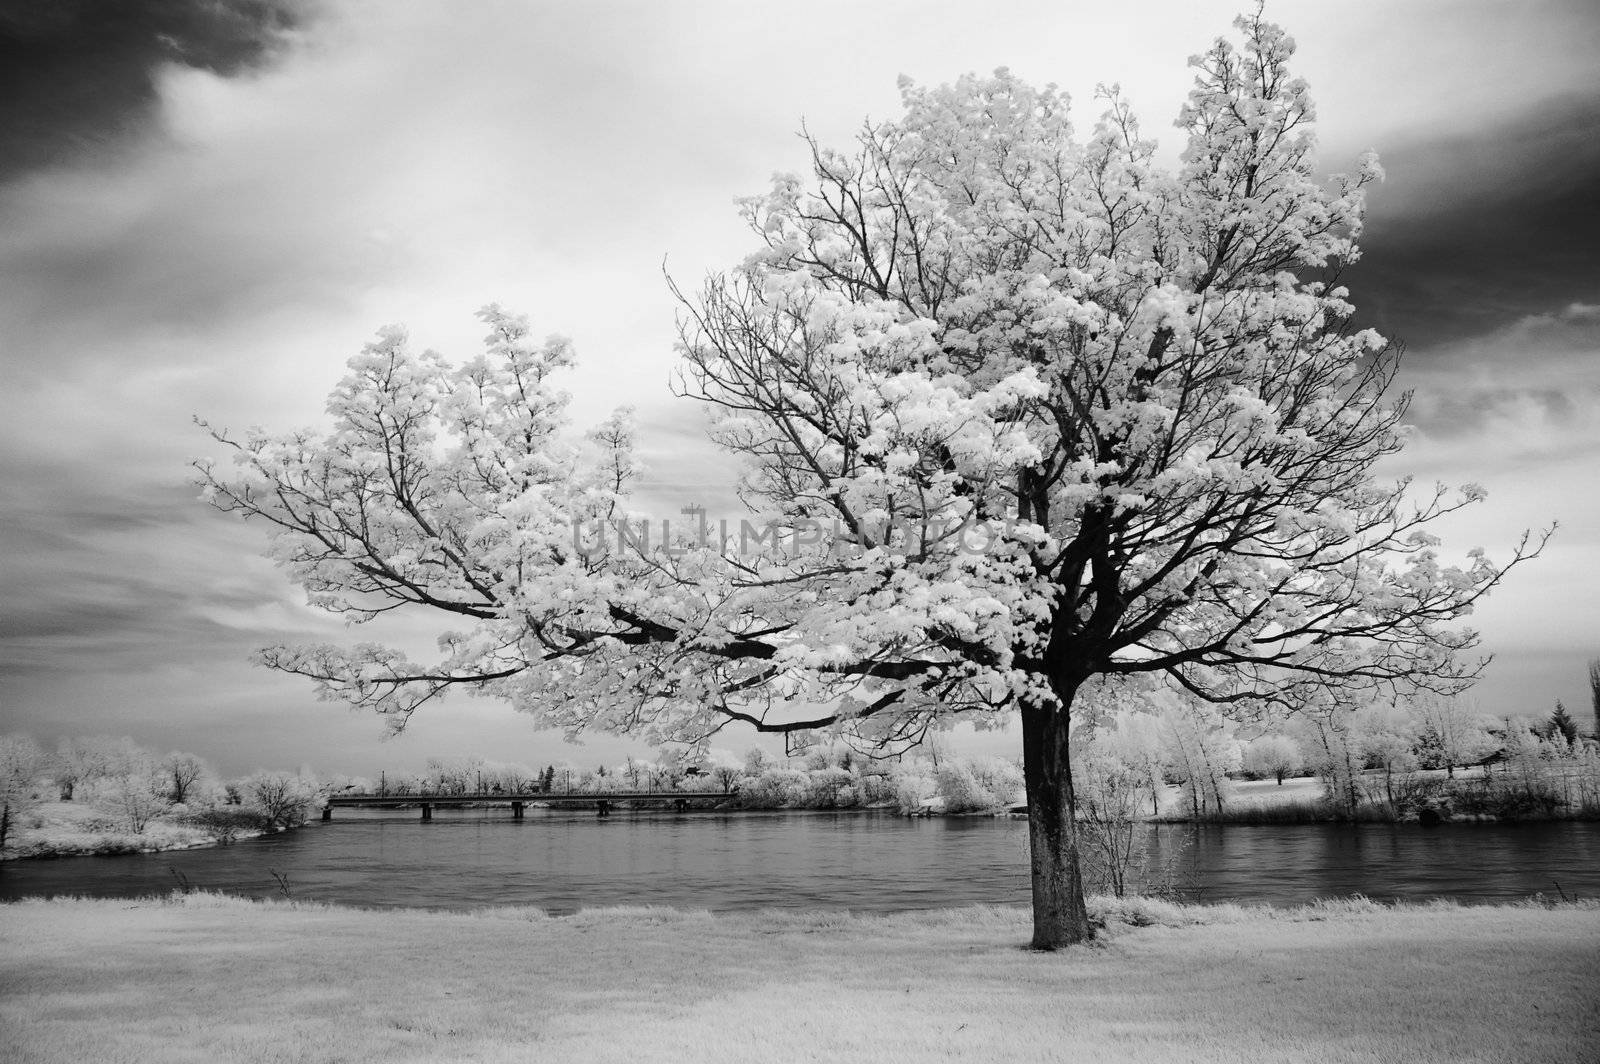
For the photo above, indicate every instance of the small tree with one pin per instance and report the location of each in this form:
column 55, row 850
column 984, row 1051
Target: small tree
column 1384, row 736
column 1333, row 749
column 181, row 772
column 134, row 797
column 1135, row 739
column 1450, row 733
column 80, row 761
column 21, row 761
column 283, row 799
column 1111, row 794
column 1200, row 752
column 1561, row 723
column 1272, row 756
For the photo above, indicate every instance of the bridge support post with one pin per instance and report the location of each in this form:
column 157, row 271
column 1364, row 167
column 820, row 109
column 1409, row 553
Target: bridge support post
column 427, row 811
column 681, row 805
column 603, row 808
column 327, row 813
column 516, row 810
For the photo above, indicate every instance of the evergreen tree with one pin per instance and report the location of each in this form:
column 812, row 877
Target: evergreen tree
column 1562, row 723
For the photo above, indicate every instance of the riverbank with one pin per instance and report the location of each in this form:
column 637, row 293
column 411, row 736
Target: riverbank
column 74, row 829
column 207, row 977
column 1428, row 796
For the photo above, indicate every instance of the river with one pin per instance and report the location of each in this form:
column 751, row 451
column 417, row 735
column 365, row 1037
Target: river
column 562, row 861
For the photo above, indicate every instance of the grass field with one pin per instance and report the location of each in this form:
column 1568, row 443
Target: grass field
column 207, row 978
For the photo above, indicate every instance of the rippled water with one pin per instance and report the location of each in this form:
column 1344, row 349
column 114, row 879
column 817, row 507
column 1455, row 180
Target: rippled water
column 563, row 861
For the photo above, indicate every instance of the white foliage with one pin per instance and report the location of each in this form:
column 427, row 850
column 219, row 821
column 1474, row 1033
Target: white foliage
column 1139, row 381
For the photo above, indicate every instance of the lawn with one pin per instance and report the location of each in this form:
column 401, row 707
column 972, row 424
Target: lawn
column 208, row 978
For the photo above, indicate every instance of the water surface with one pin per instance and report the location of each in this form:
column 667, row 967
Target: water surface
column 563, row 861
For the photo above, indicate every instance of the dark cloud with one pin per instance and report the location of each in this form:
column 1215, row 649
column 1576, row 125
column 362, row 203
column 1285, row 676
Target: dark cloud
column 105, row 575
column 77, row 76
column 1470, row 234
column 1530, row 389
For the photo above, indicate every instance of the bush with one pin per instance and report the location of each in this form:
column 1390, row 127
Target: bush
column 282, row 799
column 824, row 786
column 912, row 790
column 21, row 760
column 877, row 789
column 1272, row 757
column 1490, row 797
column 1289, row 811
column 132, row 799
column 1110, row 799
column 1416, row 796
column 775, row 788
column 1001, row 777
column 226, row 822
column 961, row 790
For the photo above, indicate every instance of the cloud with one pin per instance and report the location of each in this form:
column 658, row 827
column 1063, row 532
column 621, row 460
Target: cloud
column 1515, row 409
column 107, row 578
column 1473, row 231
column 79, row 77
column 1532, row 388
column 210, row 206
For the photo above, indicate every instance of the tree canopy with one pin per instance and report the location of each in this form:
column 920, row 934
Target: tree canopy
column 1042, row 422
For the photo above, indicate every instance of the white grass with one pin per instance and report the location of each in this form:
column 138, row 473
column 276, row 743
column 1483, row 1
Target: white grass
column 209, row 978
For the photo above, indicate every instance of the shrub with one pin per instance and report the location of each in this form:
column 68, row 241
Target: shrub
column 283, row 799
column 877, row 789
column 999, row 776
column 226, row 823
column 961, row 790
column 133, row 798
column 1272, row 757
column 1110, row 797
column 20, row 762
column 1290, row 811
column 774, row 788
column 912, row 790
column 823, row 787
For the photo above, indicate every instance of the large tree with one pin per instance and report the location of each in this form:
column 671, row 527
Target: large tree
column 1044, row 422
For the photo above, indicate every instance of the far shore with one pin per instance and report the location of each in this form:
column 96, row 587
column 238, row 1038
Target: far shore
column 208, row 977
column 63, row 829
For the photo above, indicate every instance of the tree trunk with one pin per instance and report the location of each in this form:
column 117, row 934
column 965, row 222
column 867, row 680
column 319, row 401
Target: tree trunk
column 1060, row 917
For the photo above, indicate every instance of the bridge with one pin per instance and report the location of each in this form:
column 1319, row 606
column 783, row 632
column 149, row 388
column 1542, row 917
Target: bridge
column 603, row 801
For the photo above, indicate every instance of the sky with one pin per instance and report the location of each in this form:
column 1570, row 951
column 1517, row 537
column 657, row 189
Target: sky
column 206, row 208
